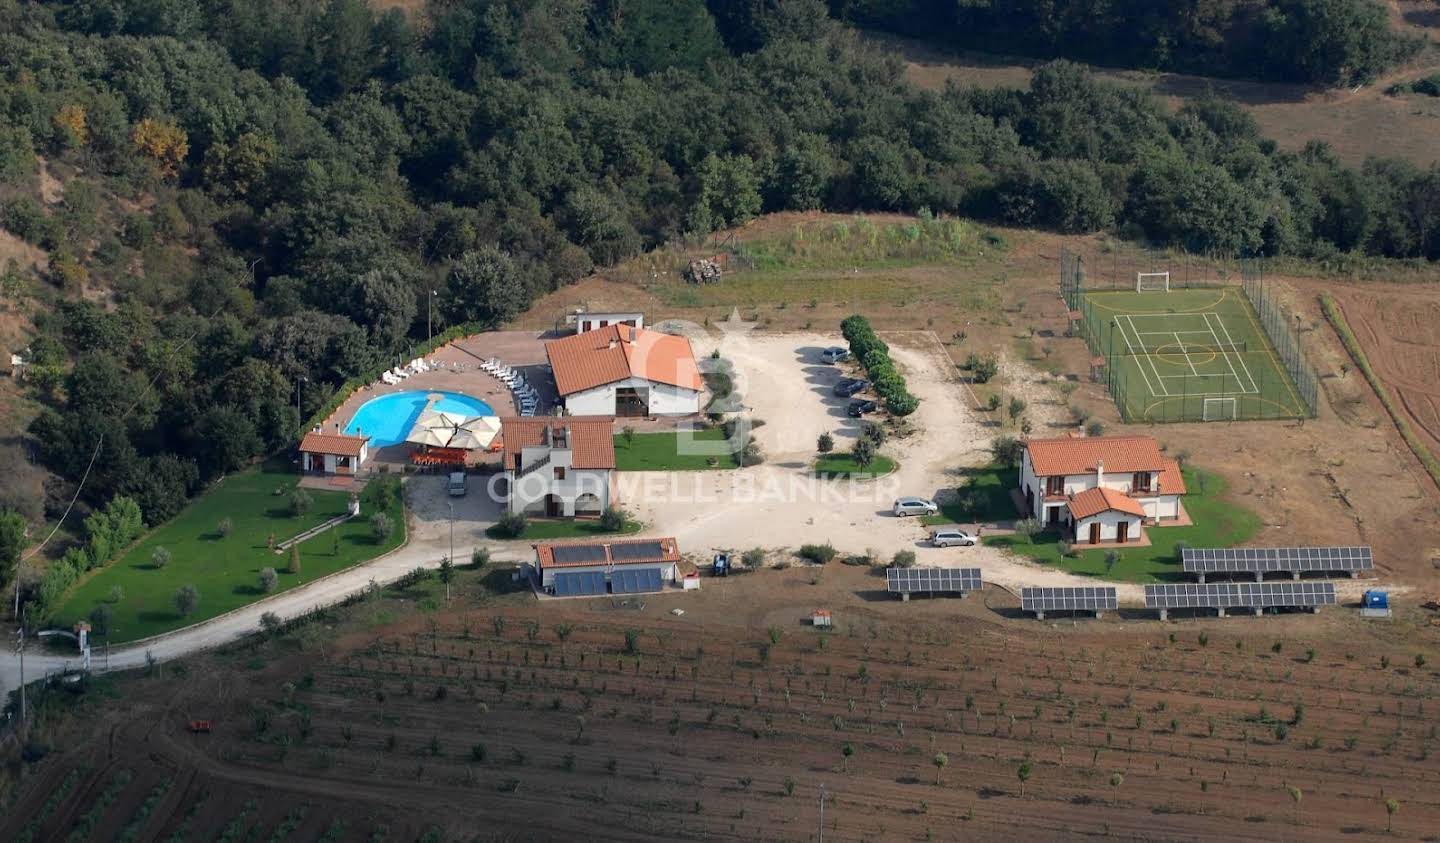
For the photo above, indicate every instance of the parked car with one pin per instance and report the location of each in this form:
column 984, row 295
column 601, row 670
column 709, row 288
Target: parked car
column 849, row 386
column 950, row 537
column 834, row 354
column 456, row 485
column 861, row 407
column 915, row 506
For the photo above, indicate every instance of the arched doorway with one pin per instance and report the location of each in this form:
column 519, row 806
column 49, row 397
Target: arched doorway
column 588, row 504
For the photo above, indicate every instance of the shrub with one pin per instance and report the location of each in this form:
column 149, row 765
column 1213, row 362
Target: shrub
column 1063, row 548
column 874, row 432
column 613, row 519
column 986, row 368
column 1007, row 450
column 825, row 443
column 300, row 502
column 903, row 559
column 1095, row 428
column 479, row 558
column 269, row 580
column 754, row 557
column 1027, row 527
column 819, row 553
column 994, row 401
column 863, row 452
column 381, row 527
column 187, row 597
column 160, row 557
column 270, row 623
column 225, row 527
column 511, row 525
column 1112, row 558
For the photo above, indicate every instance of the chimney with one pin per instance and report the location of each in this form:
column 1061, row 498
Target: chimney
column 1100, row 473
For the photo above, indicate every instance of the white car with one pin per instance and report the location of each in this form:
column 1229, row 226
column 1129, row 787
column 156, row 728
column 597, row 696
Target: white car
column 914, row 506
column 952, row 538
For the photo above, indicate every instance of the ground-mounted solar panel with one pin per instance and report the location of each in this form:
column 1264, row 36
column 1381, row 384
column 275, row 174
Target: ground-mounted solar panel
column 922, row 580
column 579, row 583
column 1246, row 595
column 637, row 551
column 1259, row 560
column 1071, row 598
column 572, row 554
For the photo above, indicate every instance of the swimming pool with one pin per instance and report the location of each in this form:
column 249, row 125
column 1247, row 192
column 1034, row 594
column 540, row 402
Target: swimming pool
column 387, row 420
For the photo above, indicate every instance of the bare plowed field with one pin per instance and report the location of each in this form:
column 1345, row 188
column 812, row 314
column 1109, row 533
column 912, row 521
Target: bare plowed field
column 936, row 719
column 1399, row 328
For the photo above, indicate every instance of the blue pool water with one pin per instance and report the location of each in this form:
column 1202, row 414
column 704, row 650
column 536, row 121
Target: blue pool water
column 387, row 420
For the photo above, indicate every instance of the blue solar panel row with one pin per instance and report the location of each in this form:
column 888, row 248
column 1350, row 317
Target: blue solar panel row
column 577, row 584
column 636, row 581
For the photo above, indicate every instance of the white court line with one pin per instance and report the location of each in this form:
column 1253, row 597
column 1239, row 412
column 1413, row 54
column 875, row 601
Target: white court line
column 1239, row 384
column 1186, row 352
column 1254, row 387
column 1149, row 358
column 1120, row 326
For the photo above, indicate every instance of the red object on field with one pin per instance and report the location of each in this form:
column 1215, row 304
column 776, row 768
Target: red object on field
column 198, row 726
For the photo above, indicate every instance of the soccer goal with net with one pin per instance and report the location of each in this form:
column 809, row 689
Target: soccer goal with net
column 1152, row 282
column 1219, row 409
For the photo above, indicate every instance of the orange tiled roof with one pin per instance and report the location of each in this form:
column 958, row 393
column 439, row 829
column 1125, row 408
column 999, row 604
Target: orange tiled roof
column 1122, row 454
column 1172, row 482
column 1100, row 499
column 617, row 352
column 669, row 552
column 339, row 444
column 592, row 438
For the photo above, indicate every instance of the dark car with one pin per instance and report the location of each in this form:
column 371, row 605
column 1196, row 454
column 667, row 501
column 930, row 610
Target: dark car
column 834, row 354
column 849, row 386
column 860, row 408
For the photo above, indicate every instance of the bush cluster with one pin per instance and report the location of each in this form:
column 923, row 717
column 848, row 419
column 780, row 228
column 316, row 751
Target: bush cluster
column 874, row 355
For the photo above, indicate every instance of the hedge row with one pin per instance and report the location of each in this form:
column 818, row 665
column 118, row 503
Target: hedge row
column 874, row 355
column 1352, row 345
column 108, row 533
column 346, row 389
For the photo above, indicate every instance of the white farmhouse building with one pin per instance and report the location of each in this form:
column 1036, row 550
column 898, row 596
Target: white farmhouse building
column 621, row 370
column 1100, row 489
column 559, row 467
column 589, row 321
column 333, row 453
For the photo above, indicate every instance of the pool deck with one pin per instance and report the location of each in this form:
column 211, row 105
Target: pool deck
column 522, row 350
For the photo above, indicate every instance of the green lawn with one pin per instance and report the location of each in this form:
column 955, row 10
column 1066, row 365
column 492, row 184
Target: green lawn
column 225, row 570
column 841, row 464
column 564, row 529
column 984, row 496
column 1217, row 524
column 658, row 452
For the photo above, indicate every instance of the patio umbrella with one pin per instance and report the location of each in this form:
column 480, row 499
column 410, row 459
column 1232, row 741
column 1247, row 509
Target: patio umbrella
column 482, row 429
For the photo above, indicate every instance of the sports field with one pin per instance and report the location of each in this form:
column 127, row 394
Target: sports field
column 1188, row 355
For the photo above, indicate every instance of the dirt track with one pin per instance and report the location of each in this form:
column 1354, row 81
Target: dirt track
column 697, row 735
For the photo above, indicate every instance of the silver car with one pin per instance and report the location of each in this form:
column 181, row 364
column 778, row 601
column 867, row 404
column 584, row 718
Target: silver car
column 952, row 538
column 914, row 506
column 834, row 354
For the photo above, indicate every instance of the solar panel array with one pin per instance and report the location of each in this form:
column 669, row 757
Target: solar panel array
column 919, row 580
column 579, row 583
column 636, row 581
column 573, row 553
column 637, row 551
column 1239, row 595
column 1087, row 598
column 1204, row 560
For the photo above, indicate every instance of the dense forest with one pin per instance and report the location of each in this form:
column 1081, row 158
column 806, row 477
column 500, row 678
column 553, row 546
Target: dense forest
column 1325, row 42
column 259, row 195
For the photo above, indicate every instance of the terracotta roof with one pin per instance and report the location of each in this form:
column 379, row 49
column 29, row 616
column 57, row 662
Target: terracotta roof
column 339, row 444
column 1121, row 454
column 1101, row 499
column 1172, row 482
column 592, row 438
column 669, row 551
column 617, row 352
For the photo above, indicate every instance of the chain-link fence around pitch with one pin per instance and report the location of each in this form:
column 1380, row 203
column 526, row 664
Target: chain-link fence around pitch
column 1209, row 349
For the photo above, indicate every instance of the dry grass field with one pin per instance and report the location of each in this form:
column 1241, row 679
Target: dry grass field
column 483, row 719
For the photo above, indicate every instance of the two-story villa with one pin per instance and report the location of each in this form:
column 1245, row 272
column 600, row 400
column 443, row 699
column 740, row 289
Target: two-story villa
column 1100, row 488
column 559, row 467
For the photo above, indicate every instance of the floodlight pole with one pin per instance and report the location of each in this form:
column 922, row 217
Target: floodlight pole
column 822, row 813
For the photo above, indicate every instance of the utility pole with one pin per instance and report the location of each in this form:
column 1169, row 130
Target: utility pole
column 22, row 671
column 822, row 812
